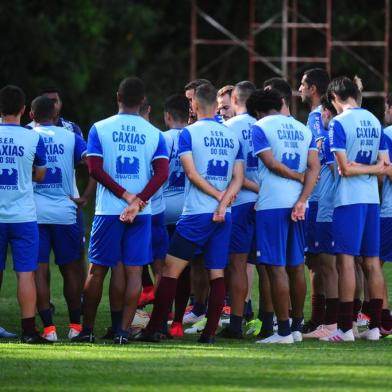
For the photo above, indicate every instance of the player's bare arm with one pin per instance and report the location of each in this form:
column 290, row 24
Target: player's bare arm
column 39, row 174
column 250, row 185
column 351, row 169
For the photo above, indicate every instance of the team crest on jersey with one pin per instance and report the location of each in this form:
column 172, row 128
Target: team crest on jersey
column 9, row 179
column 127, row 167
column 291, row 160
column 217, row 168
column 53, row 179
column 251, row 161
column 177, row 180
column 364, row 157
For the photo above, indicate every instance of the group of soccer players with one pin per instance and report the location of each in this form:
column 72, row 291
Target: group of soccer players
column 235, row 181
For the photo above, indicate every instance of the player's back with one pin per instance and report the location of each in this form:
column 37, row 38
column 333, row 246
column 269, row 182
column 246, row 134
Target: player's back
column 214, row 149
column 241, row 125
column 128, row 144
column 290, row 141
column 17, row 157
column 52, row 195
column 357, row 132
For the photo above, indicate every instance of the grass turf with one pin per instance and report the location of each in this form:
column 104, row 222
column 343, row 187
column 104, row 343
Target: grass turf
column 181, row 365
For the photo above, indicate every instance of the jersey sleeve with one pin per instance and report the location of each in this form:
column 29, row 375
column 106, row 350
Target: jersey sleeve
column 240, row 154
column 337, row 136
column 80, row 149
column 383, row 143
column 169, row 142
column 328, row 155
column 313, row 145
column 77, row 130
column 94, row 147
column 161, row 151
column 315, row 125
column 40, row 154
column 185, row 143
column 260, row 141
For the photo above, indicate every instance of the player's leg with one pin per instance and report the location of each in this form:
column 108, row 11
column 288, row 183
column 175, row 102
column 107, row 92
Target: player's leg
column 250, row 268
column 266, row 307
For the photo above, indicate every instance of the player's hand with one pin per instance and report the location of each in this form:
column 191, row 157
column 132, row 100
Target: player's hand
column 81, row 201
column 128, row 197
column 301, row 177
column 131, row 211
column 219, row 195
column 298, row 211
column 219, row 214
column 381, row 167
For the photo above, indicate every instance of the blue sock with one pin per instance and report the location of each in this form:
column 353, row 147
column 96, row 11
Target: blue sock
column 268, row 321
column 296, row 324
column 199, row 309
column 121, row 332
column 46, row 317
column 284, row 327
column 235, row 323
column 116, row 320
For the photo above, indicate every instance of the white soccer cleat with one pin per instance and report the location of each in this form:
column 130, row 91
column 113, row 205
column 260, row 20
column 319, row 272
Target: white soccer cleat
column 275, row 338
column 322, row 331
column 196, row 327
column 140, row 320
column 74, row 330
column 297, row 336
column 370, row 334
column 191, row 318
column 50, row 334
column 340, row 336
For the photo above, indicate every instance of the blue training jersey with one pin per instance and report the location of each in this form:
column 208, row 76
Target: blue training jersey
column 128, row 144
column 214, row 149
column 174, row 187
column 290, row 142
column 64, row 150
column 386, row 204
column 358, row 133
column 241, row 125
column 20, row 150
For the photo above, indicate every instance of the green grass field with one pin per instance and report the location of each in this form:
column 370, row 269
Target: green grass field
column 183, row 365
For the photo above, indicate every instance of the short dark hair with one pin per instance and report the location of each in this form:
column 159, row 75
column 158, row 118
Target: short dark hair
column 325, row 104
column 144, row 106
column 206, row 95
column 343, row 87
column 389, row 99
column 178, row 106
column 49, row 90
column 317, row 77
column 131, row 92
column 12, row 100
column 43, row 108
column 244, row 90
column 282, row 86
column 193, row 84
column 263, row 101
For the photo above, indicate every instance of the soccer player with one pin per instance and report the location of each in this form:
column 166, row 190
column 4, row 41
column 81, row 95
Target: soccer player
column 22, row 159
column 386, row 217
column 357, row 142
column 212, row 160
column 56, row 216
column 176, row 112
column 189, row 91
column 287, row 150
column 313, row 86
column 323, row 246
column 121, row 150
column 223, row 98
column 242, row 212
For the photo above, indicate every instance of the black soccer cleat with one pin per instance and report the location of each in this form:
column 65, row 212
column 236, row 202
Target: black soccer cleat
column 265, row 333
column 144, row 336
column 228, row 333
column 309, row 326
column 109, row 335
column 34, row 339
column 84, row 337
column 206, row 339
column 119, row 339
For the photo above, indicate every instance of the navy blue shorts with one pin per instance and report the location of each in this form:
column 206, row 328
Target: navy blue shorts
column 197, row 234
column 113, row 241
column 279, row 240
column 160, row 236
column 63, row 239
column 356, row 230
column 243, row 233
column 324, row 238
column 386, row 239
column 24, row 241
column 310, row 226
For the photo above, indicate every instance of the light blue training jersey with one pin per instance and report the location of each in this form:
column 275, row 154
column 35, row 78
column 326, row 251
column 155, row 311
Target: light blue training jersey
column 128, row 144
column 358, row 134
column 241, row 125
column 174, row 187
column 214, row 149
column 386, row 204
column 20, row 150
column 290, row 142
column 64, row 149
column 157, row 201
